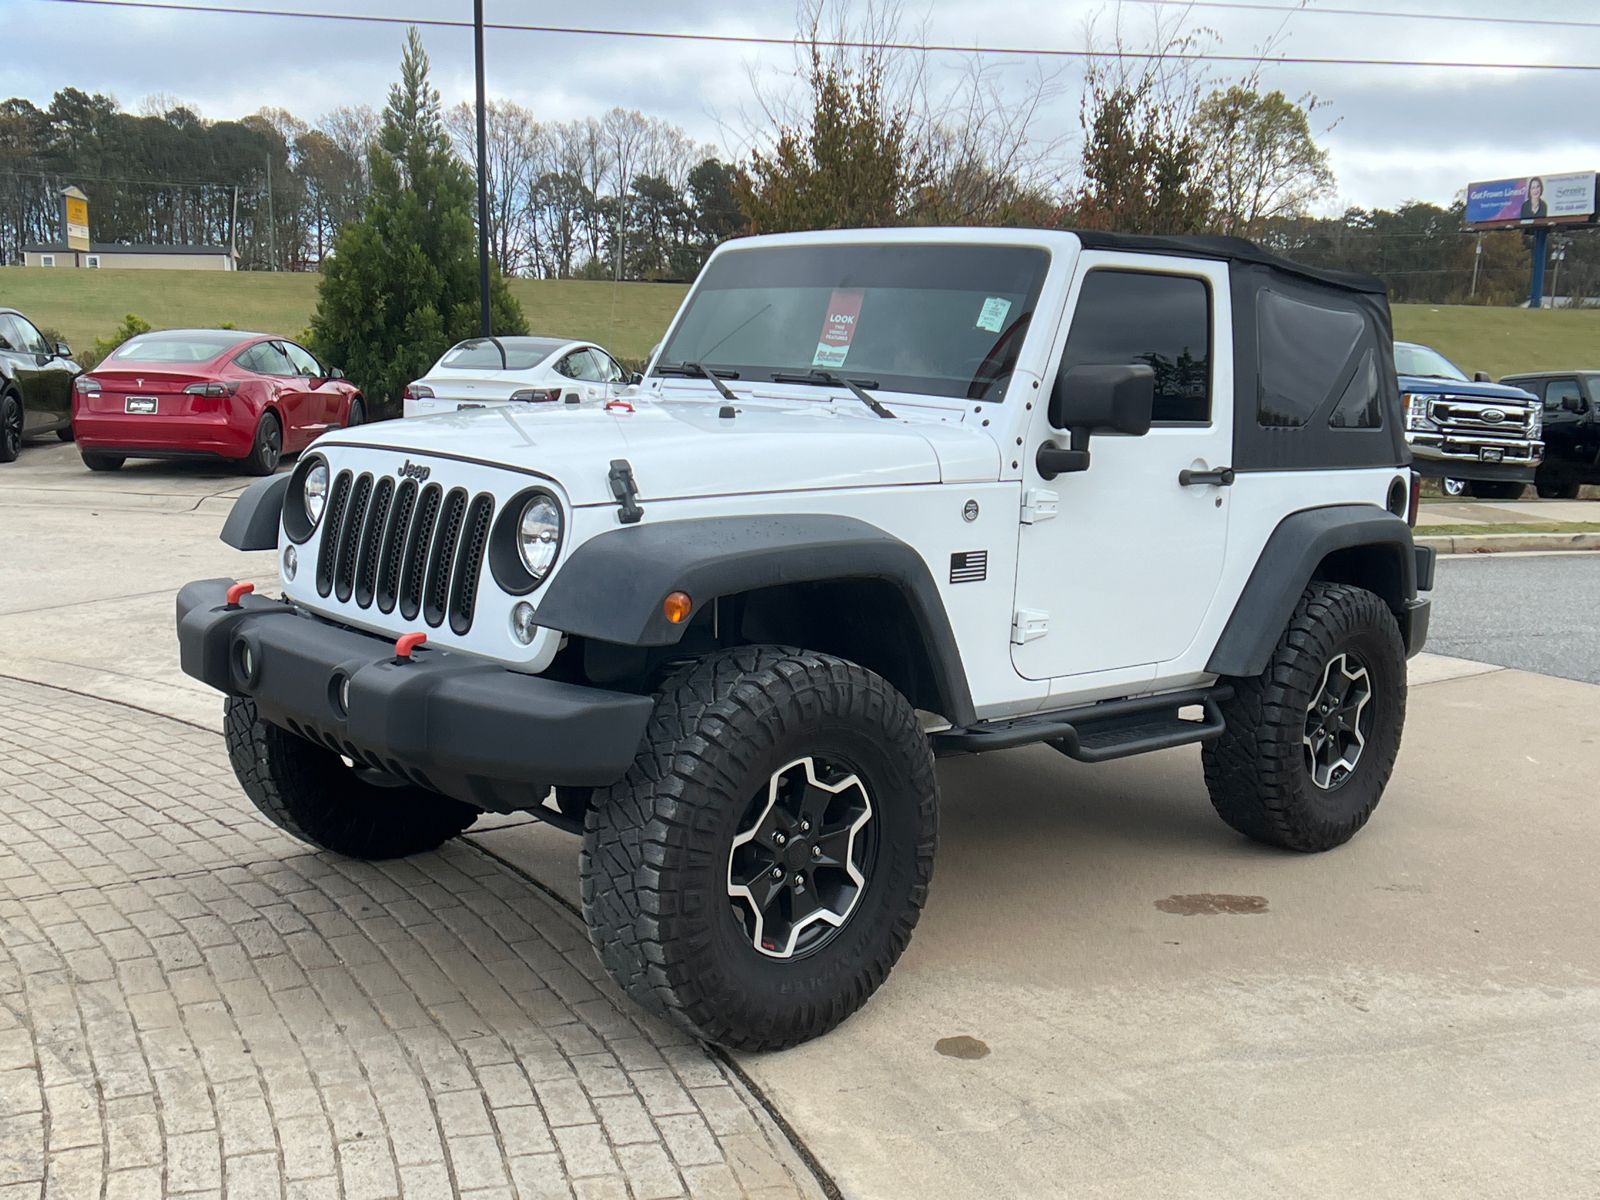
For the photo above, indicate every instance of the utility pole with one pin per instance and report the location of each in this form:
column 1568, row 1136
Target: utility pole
column 483, row 175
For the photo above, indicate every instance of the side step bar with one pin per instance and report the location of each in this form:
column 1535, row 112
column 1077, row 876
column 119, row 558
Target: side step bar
column 1100, row 732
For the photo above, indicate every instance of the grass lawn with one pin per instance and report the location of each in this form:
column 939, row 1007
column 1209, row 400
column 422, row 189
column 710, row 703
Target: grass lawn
column 82, row 305
column 630, row 318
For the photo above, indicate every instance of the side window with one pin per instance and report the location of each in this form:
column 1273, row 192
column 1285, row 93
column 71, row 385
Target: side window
column 265, row 359
column 32, row 340
column 1560, row 390
column 1138, row 317
column 1361, row 406
column 10, row 338
column 607, row 367
column 569, row 366
column 583, row 367
column 303, row 362
column 1305, row 350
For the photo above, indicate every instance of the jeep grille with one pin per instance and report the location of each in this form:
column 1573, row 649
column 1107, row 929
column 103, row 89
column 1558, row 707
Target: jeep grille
column 389, row 543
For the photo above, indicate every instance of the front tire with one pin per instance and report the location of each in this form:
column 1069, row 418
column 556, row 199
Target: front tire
column 1495, row 489
column 1453, row 487
column 310, row 793
column 10, row 427
column 267, row 450
column 1311, row 741
column 357, row 414
column 1557, row 491
column 760, row 760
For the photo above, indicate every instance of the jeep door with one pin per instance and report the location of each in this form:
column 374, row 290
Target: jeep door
column 1120, row 577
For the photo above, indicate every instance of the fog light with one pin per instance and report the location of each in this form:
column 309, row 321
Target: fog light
column 291, row 563
column 522, row 623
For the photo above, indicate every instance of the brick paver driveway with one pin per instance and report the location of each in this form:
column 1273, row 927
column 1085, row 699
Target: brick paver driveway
column 195, row 1004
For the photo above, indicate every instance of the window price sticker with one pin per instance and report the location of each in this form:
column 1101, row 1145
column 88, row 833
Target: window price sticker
column 838, row 327
column 993, row 314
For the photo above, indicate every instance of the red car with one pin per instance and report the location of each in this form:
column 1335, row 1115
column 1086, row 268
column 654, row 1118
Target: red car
column 202, row 393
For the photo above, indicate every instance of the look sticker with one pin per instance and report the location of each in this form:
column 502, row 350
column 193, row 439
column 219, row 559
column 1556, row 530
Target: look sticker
column 838, row 327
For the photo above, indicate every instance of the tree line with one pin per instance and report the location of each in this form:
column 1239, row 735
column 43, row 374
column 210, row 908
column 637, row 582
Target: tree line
column 860, row 134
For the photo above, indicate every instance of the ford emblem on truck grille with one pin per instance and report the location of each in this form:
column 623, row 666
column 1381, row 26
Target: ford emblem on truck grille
column 411, row 471
column 1491, row 416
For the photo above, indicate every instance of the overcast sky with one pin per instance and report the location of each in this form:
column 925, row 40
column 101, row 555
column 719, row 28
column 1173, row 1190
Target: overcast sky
column 1401, row 133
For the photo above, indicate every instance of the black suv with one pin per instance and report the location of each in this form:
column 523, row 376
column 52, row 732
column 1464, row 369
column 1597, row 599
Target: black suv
column 35, row 384
column 1571, row 430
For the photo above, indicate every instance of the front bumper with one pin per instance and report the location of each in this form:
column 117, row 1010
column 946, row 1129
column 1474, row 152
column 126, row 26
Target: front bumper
column 455, row 722
column 1440, row 456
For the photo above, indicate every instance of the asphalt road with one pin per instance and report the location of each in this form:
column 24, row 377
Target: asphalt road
column 1532, row 612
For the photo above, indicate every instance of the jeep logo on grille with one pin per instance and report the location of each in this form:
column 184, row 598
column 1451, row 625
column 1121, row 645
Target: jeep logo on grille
column 412, row 471
column 1491, row 416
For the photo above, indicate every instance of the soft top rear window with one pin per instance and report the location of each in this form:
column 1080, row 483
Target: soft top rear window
column 936, row 318
column 481, row 354
column 178, row 346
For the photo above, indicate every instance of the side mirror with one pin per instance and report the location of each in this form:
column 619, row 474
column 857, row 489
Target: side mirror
column 335, row 373
column 1481, row 377
column 63, row 350
column 635, row 379
column 1573, row 404
column 1088, row 399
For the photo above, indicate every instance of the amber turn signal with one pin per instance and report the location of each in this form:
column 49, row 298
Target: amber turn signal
column 676, row 607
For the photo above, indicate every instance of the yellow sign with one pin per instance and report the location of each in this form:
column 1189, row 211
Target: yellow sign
column 75, row 207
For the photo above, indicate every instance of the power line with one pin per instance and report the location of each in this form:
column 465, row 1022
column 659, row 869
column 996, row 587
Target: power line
column 840, row 44
column 1307, row 10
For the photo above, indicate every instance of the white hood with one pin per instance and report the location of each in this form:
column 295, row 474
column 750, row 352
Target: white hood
column 682, row 448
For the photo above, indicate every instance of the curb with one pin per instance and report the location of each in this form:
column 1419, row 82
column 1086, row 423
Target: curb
column 1490, row 543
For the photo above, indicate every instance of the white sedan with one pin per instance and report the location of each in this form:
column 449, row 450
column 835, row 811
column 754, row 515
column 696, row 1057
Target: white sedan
column 485, row 372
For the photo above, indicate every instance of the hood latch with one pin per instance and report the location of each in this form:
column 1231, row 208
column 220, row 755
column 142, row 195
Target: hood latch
column 626, row 491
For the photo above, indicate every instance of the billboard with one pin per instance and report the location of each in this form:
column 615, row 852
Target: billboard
column 75, row 218
column 1534, row 199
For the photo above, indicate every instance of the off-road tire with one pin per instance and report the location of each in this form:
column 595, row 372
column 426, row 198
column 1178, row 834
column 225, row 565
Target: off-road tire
column 66, row 433
column 657, row 844
column 96, row 461
column 1257, row 771
column 10, row 427
column 267, row 450
column 1495, row 489
column 309, row 792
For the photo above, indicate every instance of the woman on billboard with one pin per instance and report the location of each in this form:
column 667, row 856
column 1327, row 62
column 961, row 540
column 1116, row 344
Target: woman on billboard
column 1534, row 206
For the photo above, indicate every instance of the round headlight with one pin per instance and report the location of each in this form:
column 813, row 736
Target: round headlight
column 539, row 536
column 316, row 492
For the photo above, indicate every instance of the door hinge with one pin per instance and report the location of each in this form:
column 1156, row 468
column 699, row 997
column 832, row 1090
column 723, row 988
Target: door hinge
column 1029, row 624
column 1039, row 504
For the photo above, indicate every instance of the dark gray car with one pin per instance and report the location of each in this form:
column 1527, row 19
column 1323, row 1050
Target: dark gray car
column 35, row 384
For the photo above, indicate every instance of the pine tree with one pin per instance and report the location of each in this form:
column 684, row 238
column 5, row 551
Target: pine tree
column 402, row 285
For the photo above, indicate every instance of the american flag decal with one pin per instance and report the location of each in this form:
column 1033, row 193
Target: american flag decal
column 970, row 566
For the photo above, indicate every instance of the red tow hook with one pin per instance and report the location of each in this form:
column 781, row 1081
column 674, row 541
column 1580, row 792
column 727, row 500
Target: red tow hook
column 237, row 592
column 624, row 405
column 405, row 644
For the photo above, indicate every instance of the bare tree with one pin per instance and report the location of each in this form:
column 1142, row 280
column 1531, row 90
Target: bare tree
column 518, row 149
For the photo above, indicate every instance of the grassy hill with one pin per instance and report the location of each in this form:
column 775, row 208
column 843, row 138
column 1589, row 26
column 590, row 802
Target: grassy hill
column 631, row 317
column 83, row 305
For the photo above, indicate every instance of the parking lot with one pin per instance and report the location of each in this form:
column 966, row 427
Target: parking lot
column 1110, row 993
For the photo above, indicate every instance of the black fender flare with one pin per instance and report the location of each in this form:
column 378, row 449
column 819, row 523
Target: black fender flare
column 253, row 523
column 612, row 586
column 1290, row 560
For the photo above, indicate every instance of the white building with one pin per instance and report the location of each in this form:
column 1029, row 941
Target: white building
column 115, row 254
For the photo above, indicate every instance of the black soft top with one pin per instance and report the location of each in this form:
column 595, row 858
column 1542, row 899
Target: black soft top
column 1233, row 249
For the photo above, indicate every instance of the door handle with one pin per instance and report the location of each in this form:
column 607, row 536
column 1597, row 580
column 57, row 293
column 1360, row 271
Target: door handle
column 1221, row 477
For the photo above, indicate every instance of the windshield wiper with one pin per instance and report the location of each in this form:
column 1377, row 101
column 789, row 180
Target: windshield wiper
column 824, row 379
column 693, row 369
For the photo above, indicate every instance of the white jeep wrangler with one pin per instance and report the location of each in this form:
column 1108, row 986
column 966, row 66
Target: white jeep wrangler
column 884, row 495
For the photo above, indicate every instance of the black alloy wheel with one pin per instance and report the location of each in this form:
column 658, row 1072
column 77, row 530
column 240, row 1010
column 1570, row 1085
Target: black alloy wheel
column 268, row 449
column 357, row 414
column 796, row 871
column 10, row 427
column 1338, row 721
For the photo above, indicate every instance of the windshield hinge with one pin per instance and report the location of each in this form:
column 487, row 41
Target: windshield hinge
column 1039, row 504
column 1029, row 624
column 626, row 491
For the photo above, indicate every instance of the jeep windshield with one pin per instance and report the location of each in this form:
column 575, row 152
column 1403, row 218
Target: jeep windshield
column 937, row 319
column 1424, row 363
